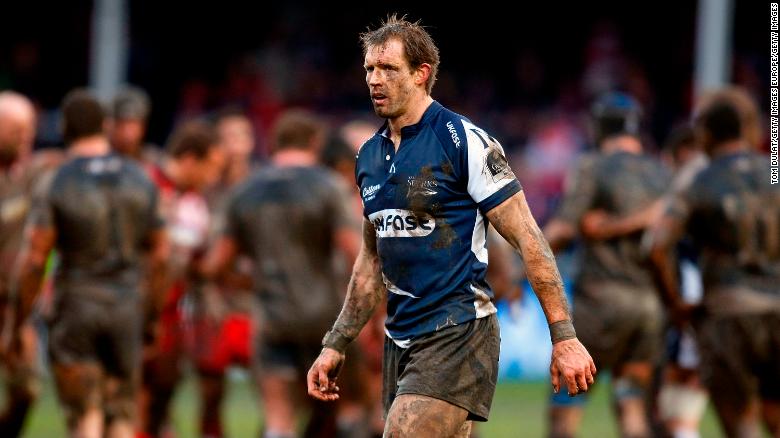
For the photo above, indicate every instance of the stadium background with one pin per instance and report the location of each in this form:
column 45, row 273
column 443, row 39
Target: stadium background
column 525, row 73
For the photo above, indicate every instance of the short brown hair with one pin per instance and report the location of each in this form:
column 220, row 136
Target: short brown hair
column 192, row 138
column 297, row 129
column 82, row 115
column 419, row 47
column 743, row 103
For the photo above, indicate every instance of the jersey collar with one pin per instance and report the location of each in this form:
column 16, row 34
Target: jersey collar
column 411, row 130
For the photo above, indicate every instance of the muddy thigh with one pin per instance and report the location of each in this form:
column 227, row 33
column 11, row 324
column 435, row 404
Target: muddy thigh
column 417, row 415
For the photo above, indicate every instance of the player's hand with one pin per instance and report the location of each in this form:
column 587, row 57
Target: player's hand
column 592, row 224
column 572, row 363
column 321, row 379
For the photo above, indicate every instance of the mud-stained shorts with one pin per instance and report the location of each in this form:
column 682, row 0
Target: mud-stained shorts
column 740, row 357
column 99, row 331
column 458, row 365
column 619, row 324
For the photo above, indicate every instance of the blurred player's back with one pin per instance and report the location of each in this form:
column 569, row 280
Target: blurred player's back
column 624, row 184
column 286, row 219
column 101, row 206
column 735, row 222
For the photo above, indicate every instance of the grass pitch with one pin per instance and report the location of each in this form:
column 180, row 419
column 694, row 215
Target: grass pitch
column 519, row 410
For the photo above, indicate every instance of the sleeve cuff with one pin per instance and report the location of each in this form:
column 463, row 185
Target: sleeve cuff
column 500, row 196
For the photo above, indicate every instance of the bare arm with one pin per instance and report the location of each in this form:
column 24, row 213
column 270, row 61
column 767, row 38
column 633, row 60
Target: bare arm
column 599, row 225
column 664, row 235
column 365, row 289
column 513, row 220
column 158, row 280
column 39, row 241
column 364, row 293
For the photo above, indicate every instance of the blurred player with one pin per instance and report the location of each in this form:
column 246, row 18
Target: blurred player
column 127, row 128
column 100, row 212
column 428, row 179
column 237, row 139
column 616, row 303
column 681, row 399
column 193, row 164
column 225, row 310
column 19, row 170
column 731, row 212
column 290, row 218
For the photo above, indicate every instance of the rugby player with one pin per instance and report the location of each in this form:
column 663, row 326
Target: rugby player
column 99, row 211
column 429, row 179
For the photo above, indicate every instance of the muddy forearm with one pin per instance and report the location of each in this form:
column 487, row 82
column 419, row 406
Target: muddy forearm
column 31, row 270
column 29, row 285
column 364, row 293
column 514, row 222
column 543, row 274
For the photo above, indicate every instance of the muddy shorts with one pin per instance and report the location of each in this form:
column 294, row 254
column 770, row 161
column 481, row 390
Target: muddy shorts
column 103, row 332
column 740, row 357
column 458, row 364
column 619, row 324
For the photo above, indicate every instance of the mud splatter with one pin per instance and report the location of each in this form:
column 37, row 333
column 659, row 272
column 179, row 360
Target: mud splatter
column 447, row 236
column 420, row 190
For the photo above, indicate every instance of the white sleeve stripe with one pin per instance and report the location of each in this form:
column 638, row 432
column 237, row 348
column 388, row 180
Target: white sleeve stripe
column 481, row 184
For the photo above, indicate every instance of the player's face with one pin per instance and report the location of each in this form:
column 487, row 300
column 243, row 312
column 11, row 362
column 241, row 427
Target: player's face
column 236, row 136
column 127, row 135
column 389, row 78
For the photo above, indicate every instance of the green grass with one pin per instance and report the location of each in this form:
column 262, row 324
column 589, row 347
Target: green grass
column 518, row 411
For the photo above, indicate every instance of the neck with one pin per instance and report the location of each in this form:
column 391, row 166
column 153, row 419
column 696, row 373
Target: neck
column 91, row 146
column 294, row 158
column 410, row 117
column 729, row 147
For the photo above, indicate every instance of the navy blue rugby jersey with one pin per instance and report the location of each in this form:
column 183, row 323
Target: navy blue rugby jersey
column 427, row 203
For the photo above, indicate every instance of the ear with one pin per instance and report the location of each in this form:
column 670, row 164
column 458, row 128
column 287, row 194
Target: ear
column 422, row 74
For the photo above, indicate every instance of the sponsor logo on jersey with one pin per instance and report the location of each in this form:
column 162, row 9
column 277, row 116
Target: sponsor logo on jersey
column 369, row 192
column 453, row 134
column 401, row 223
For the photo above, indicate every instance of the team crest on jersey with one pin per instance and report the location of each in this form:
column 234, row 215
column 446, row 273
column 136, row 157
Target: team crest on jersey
column 421, row 186
column 496, row 165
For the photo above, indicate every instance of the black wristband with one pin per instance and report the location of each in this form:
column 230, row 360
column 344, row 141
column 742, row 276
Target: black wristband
column 335, row 340
column 562, row 330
